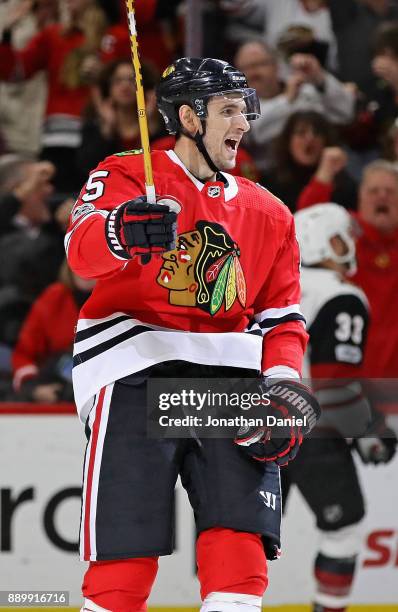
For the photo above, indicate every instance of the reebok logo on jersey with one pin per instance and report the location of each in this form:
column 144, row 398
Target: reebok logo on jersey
column 296, row 400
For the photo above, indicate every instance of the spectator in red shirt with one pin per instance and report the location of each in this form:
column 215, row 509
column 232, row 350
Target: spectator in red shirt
column 377, row 257
column 42, row 359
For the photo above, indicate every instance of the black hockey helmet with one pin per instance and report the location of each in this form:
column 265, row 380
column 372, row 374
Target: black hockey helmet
column 193, row 81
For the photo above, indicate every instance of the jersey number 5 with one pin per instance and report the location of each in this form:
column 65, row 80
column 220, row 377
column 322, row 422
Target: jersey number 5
column 95, row 188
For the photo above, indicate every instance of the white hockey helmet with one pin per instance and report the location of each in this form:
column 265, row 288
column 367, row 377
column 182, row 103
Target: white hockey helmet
column 316, row 225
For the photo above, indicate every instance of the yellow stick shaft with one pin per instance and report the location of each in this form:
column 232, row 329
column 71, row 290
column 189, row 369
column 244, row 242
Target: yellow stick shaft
column 142, row 118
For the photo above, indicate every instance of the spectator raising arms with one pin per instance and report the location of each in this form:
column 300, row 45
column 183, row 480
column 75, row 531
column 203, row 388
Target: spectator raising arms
column 31, row 238
column 111, row 123
column 306, row 158
column 70, row 52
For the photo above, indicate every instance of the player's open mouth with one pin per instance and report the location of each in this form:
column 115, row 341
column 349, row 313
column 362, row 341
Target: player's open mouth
column 382, row 209
column 231, row 144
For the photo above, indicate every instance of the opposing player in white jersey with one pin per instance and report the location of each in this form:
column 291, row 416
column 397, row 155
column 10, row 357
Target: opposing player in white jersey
column 337, row 317
column 218, row 299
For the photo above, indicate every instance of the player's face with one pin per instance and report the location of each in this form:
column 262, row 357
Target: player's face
column 177, row 271
column 305, row 145
column 225, row 126
column 378, row 200
column 122, row 90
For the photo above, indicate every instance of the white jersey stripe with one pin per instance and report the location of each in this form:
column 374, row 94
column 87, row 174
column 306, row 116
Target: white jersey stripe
column 277, row 313
column 132, row 354
column 113, row 331
column 87, row 323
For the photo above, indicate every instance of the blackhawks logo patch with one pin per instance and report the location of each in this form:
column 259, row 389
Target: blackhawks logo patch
column 204, row 270
column 131, row 152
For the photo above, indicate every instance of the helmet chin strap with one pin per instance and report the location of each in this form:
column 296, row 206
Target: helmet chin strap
column 198, row 140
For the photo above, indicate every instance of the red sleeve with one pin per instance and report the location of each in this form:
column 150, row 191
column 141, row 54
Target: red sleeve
column 87, row 251
column 315, row 193
column 277, row 309
column 25, row 63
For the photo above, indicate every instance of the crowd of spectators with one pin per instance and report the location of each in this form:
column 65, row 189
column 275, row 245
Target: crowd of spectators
column 326, row 72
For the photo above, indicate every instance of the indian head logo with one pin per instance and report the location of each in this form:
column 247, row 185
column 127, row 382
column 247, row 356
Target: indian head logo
column 204, row 270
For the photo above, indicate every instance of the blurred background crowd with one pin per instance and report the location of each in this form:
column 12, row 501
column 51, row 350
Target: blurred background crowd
column 326, row 72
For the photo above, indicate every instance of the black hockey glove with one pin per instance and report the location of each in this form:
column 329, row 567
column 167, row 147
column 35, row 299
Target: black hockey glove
column 275, row 442
column 379, row 445
column 139, row 228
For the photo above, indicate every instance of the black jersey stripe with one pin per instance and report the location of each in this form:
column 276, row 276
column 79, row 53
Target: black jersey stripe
column 84, row 334
column 294, row 316
column 80, row 358
column 254, row 332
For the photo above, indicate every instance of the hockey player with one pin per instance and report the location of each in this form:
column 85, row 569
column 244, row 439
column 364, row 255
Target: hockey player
column 337, row 318
column 220, row 298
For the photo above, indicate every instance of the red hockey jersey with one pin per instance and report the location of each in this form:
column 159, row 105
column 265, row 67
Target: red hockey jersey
column 228, row 294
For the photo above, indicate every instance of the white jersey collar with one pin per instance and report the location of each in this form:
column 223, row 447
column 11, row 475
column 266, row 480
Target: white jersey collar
column 230, row 190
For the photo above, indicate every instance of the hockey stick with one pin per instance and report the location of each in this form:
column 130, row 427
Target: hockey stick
column 142, row 118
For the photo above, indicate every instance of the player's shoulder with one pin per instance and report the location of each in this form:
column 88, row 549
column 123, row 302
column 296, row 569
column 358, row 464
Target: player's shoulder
column 260, row 198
